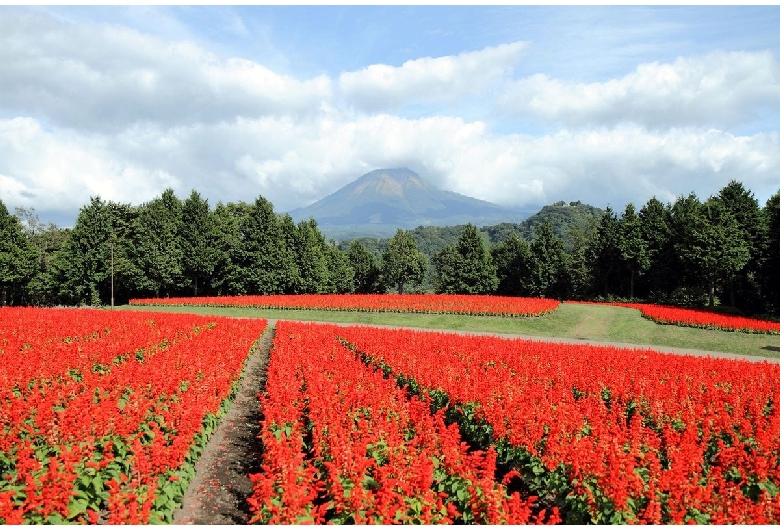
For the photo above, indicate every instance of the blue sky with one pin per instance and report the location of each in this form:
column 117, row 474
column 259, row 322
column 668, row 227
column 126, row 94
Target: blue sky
column 518, row 105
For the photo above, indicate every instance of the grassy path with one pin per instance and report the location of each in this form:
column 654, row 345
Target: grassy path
column 572, row 322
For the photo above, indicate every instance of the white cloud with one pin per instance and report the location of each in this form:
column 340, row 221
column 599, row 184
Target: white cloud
column 60, row 171
column 104, row 110
column 380, row 86
column 105, row 78
column 298, row 162
column 719, row 88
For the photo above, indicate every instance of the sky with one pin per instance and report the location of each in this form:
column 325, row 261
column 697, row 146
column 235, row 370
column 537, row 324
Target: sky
column 518, row 105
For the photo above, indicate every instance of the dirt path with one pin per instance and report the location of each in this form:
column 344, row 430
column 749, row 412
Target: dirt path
column 218, row 492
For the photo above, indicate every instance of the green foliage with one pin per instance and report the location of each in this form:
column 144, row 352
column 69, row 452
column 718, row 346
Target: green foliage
column 604, row 253
column 82, row 266
column 446, row 265
column 365, row 268
column 262, row 261
column 513, row 262
column 341, row 276
column 402, row 263
column 199, row 242
column 771, row 265
column 564, row 218
column 656, row 222
column 714, row 247
column 665, row 252
column 18, row 258
column 48, row 239
column 466, row 268
column 634, row 248
column 311, row 257
column 158, row 249
column 550, row 264
column 745, row 286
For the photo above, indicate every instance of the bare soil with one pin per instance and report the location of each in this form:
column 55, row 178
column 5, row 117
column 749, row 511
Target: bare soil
column 218, row 492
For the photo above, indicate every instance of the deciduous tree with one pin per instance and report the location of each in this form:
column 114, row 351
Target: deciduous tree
column 18, row 258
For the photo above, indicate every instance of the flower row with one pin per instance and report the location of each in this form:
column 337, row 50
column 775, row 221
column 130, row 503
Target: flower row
column 343, row 444
column 406, row 303
column 608, row 435
column 104, row 413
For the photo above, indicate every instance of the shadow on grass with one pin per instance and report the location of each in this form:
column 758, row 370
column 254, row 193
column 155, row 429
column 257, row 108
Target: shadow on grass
column 771, row 348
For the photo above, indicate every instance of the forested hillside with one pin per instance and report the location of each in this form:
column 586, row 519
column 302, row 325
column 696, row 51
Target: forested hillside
column 721, row 251
column 570, row 222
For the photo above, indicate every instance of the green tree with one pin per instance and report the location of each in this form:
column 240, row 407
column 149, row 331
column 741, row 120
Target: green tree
column 365, row 268
column 715, row 247
column 684, row 215
column 549, row 265
column 466, row 268
column 513, row 262
column 48, row 239
column 199, row 240
column 227, row 279
column 603, row 253
column 264, row 264
column 580, row 272
column 311, row 258
column 445, row 265
column 744, row 289
column 18, row 258
column 402, row 263
column 341, row 276
column 634, row 249
column 158, row 246
column 477, row 274
column 82, row 267
column 771, row 262
column 656, row 221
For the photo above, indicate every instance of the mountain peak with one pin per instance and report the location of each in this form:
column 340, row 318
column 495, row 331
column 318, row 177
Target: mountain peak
column 399, row 197
column 389, row 182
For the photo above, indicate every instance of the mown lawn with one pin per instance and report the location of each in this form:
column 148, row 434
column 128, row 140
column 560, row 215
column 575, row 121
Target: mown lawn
column 575, row 321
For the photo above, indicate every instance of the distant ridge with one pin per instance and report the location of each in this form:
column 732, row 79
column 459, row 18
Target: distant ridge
column 383, row 200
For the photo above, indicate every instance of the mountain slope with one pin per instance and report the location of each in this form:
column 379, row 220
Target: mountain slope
column 386, row 199
column 567, row 219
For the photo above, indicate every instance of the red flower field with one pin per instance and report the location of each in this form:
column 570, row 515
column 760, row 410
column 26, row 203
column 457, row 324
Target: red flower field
column 404, row 303
column 597, row 434
column 103, row 413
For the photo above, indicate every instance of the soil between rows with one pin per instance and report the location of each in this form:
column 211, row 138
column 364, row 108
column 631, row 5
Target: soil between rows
column 218, row 492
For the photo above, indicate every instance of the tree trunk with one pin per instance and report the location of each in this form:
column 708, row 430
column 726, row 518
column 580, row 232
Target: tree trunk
column 400, row 287
column 195, row 282
column 631, row 291
column 712, row 293
column 732, row 302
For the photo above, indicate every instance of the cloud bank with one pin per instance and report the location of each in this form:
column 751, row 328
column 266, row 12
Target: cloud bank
column 90, row 109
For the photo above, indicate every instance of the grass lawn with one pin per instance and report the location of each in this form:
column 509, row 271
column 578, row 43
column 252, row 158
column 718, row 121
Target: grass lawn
column 591, row 322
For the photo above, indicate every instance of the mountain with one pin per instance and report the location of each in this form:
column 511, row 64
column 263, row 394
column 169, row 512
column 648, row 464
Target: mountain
column 570, row 222
column 384, row 200
column 564, row 218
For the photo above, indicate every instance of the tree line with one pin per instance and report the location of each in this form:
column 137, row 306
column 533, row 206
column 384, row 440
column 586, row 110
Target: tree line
column 722, row 250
